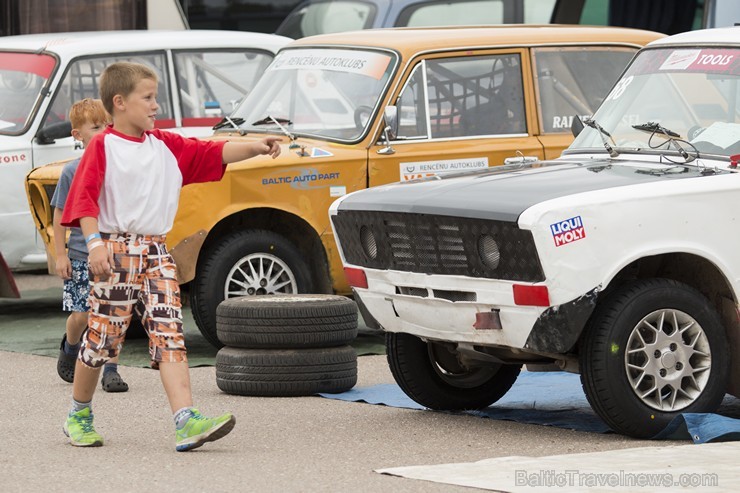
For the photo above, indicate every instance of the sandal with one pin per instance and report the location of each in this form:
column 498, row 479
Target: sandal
column 66, row 363
column 112, row 382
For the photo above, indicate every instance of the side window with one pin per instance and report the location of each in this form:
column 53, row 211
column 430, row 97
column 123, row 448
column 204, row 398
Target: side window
column 327, row 17
column 466, row 12
column 212, row 83
column 83, row 77
column 538, row 11
column 472, row 96
column 574, row 81
column 412, row 114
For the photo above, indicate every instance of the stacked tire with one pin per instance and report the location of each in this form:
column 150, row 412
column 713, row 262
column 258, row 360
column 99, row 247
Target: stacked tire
column 286, row 345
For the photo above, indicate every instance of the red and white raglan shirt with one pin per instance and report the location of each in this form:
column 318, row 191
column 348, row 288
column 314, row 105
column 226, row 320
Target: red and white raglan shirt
column 133, row 185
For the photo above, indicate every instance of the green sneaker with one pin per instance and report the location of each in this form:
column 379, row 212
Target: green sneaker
column 198, row 430
column 79, row 429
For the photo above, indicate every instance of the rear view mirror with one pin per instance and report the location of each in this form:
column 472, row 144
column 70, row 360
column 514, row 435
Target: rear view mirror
column 390, row 118
column 390, row 129
column 50, row 133
column 576, row 126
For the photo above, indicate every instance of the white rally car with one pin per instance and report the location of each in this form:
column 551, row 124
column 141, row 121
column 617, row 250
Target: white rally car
column 620, row 260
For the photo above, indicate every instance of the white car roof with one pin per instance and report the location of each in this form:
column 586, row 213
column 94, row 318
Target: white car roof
column 70, row 45
column 719, row 35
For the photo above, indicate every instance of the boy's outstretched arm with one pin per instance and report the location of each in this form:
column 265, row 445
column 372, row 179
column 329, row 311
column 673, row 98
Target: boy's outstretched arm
column 239, row 151
column 63, row 267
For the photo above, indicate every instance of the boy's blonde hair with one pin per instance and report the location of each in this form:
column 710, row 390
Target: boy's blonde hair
column 121, row 78
column 88, row 110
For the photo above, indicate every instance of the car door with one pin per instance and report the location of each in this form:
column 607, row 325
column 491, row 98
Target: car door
column 569, row 81
column 456, row 112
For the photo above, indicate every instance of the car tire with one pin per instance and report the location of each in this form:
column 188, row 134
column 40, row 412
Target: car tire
column 286, row 372
column 220, row 263
column 437, row 381
column 634, row 359
column 286, row 321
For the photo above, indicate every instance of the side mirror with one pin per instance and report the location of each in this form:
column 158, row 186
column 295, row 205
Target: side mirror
column 50, row 133
column 576, row 126
column 390, row 118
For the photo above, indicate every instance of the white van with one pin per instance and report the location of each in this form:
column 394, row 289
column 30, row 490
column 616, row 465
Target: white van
column 203, row 76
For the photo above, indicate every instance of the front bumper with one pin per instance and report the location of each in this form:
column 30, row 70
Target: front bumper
column 434, row 317
column 449, row 309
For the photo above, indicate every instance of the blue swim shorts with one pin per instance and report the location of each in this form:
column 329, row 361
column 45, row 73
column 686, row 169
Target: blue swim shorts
column 77, row 288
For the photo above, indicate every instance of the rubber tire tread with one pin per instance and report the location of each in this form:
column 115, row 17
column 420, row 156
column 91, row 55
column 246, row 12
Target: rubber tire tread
column 412, row 369
column 214, row 265
column 601, row 387
column 303, row 321
column 285, row 372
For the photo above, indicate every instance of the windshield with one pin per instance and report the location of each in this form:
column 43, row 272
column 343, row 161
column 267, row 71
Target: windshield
column 22, row 77
column 693, row 92
column 327, row 93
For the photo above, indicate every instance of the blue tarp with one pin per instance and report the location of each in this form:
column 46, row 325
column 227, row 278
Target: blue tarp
column 557, row 399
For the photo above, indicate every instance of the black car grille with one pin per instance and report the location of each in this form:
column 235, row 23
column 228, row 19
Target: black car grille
column 431, row 244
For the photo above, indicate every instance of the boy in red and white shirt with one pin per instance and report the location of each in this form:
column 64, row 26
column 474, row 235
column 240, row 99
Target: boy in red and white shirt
column 124, row 196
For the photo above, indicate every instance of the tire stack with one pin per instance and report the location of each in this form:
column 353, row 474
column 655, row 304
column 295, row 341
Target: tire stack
column 286, row 345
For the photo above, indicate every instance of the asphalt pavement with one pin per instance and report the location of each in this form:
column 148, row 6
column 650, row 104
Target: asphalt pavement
column 301, row 444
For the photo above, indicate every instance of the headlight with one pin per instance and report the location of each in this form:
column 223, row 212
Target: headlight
column 369, row 245
column 488, row 251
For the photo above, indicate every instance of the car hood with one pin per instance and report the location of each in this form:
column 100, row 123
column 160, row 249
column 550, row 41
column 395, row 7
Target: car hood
column 503, row 193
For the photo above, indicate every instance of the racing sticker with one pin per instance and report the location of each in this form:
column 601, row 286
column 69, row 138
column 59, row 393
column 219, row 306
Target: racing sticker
column 13, row 157
column 337, row 191
column 568, row 231
column 301, row 178
column 358, row 62
column 421, row 169
column 680, row 60
column 707, row 60
column 317, row 152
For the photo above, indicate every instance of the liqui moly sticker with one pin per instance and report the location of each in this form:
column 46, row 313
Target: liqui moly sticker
column 568, row 231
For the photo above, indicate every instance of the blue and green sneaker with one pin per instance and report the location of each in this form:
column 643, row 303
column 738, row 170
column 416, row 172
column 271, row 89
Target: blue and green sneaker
column 79, row 429
column 198, row 430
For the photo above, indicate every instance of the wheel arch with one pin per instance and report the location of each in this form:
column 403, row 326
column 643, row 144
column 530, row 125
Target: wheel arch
column 703, row 275
column 292, row 227
column 688, row 268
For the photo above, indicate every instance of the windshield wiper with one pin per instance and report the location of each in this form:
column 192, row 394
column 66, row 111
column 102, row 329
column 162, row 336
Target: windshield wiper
column 673, row 138
column 656, row 128
column 230, row 122
column 279, row 122
column 270, row 119
column 603, row 134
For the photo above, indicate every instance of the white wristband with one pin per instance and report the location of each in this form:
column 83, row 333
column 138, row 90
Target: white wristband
column 94, row 244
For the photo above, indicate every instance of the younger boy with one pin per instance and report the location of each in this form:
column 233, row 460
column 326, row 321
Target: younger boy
column 88, row 118
column 125, row 196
